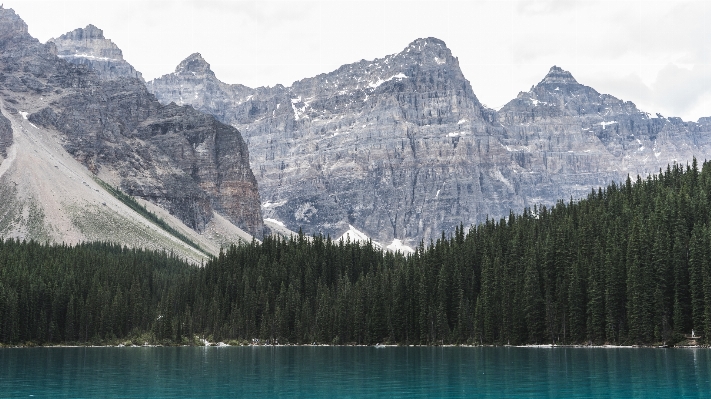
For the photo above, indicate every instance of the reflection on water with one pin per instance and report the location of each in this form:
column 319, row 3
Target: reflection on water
column 262, row 372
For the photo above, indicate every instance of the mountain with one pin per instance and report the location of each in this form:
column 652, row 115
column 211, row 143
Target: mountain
column 69, row 137
column 376, row 145
column 89, row 47
column 576, row 138
column 401, row 148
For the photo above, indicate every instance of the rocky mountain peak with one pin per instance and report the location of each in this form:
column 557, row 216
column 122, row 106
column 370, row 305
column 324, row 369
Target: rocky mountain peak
column 422, row 43
column 87, row 42
column 195, row 65
column 91, row 32
column 88, row 46
column 407, row 112
column 431, row 51
column 95, row 118
column 557, row 75
column 12, row 27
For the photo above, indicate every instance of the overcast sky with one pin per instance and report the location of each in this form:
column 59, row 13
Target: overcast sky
column 654, row 53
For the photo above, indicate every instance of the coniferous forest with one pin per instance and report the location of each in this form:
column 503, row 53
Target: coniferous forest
column 628, row 265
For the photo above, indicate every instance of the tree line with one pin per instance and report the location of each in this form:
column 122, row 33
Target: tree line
column 627, row 265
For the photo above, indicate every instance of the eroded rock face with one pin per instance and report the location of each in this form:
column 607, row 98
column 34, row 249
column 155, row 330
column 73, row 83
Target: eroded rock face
column 376, row 144
column 89, row 47
column 175, row 156
column 580, row 131
column 201, row 89
column 400, row 147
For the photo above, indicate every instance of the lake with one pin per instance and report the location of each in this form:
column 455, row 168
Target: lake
column 354, row 372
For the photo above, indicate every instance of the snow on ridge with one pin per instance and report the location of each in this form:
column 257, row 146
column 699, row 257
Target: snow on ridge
column 298, row 112
column 536, row 102
column 381, row 81
column 270, row 204
column 355, row 235
column 277, row 222
column 87, row 56
column 603, row 124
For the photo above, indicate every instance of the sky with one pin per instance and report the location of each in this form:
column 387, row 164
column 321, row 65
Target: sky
column 656, row 54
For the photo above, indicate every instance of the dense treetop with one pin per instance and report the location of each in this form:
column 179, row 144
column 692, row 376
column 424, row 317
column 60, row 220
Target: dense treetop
column 628, row 265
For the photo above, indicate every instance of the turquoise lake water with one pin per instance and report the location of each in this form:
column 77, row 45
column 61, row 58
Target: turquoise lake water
column 355, row 372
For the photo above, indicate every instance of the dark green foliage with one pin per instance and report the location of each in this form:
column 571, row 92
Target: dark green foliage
column 90, row 292
column 629, row 264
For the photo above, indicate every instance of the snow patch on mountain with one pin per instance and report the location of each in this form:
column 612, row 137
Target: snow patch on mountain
column 270, row 204
column 277, row 222
column 398, row 246
column 87, row 56
column 399, row 76
column 354, row 235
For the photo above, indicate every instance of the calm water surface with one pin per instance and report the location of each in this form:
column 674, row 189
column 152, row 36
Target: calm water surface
column 354, row 372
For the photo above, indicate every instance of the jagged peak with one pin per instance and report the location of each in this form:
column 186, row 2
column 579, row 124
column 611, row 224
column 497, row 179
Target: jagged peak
column 89, row 33
column 194, row 63
column 430, row 51
column 11, row 25
column 557, row 75
column 89, row 43
column 428, row 45
column 424, row 42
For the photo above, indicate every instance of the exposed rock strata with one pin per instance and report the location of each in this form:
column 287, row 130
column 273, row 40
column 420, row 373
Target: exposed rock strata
column 171, row 155
column 401, row 148
column 89, row 47
column 374, row 144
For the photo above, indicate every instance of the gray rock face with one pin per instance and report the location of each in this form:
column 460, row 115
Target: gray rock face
column 582, row 132
column 375, row 144
column 89, row 47
column 174, row 156
column 201, row 90
column 401, row 148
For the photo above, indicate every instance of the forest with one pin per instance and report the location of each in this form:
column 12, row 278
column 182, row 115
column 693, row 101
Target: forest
column 627, row 265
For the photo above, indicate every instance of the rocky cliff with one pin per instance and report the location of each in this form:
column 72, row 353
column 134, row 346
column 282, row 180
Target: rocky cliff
column 574, row 132
column 174, row 156
column 392, row 146
column 89, row 47
column 401, row 148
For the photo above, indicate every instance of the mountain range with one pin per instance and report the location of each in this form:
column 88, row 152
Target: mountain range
column 398, row 149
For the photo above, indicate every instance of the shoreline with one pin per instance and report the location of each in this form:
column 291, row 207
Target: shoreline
column 226, row 345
